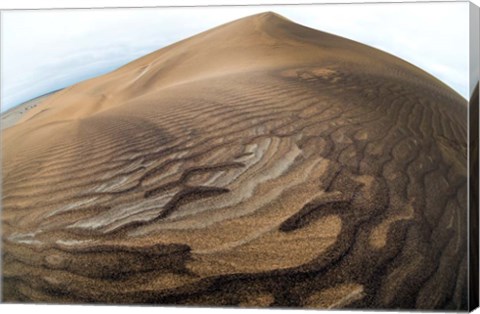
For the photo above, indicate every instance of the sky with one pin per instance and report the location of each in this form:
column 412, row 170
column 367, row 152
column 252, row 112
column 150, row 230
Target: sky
column 474, row 46
column 47, row 50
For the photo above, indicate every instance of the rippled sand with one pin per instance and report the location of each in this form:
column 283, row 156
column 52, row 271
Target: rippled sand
column 260, row 163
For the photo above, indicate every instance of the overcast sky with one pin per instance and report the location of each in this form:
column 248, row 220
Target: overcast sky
column 43, row 51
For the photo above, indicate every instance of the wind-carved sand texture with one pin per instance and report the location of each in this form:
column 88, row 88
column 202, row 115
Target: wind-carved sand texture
column 260, row 163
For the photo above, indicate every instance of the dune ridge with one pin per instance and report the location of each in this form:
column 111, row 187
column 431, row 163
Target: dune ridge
column 260, row 163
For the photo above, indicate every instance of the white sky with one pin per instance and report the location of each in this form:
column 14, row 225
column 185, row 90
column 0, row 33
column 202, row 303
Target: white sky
column 44, row 51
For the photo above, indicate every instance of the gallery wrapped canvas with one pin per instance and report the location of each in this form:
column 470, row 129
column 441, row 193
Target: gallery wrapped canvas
column 267, row 156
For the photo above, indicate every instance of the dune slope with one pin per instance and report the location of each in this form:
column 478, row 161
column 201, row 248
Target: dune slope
column 260, row 163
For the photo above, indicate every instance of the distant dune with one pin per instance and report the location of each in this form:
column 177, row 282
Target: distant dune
column 261, row 163
column 12, row 116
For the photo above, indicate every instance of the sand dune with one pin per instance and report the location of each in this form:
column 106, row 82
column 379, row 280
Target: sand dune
column 12, row 116
column 260, row 163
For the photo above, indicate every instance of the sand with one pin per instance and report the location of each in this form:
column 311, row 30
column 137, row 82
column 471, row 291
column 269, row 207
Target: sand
column 260, row 163
column 12, row 116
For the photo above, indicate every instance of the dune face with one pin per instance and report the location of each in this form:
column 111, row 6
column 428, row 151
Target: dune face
column 259, row 164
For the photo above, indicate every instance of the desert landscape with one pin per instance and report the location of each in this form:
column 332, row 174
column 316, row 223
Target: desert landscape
column 258, row 164
column 15, row 114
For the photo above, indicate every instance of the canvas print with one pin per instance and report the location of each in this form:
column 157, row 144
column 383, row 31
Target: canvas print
column 283, row 156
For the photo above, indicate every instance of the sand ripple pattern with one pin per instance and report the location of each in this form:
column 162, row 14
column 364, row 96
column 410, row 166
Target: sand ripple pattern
column 326, row 184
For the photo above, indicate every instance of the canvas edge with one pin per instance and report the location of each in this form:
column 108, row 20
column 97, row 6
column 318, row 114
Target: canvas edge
column 473, row 219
